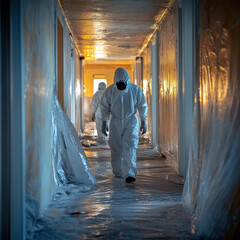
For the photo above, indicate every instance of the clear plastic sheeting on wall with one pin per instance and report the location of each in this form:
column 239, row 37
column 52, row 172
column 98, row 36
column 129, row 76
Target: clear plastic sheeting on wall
column 147, row 86
column 70, row 161
column 77, row 94
column 168, row 86
column 38, row 22
column 212, row 189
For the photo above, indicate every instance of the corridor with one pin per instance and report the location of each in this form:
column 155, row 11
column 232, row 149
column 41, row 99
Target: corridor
column 166, row 73
column 150, row 208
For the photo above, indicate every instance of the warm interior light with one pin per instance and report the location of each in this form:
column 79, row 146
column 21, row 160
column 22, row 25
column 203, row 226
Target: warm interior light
column 99, row 51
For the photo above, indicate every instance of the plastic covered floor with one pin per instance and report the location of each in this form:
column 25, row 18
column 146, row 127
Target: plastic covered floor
column 150, row 208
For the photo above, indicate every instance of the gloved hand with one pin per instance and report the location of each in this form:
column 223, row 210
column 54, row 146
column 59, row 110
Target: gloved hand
column 143, row 127
column 105, row 127
column 93, row 116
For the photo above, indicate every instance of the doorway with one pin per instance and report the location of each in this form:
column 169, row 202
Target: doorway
column 96, row 81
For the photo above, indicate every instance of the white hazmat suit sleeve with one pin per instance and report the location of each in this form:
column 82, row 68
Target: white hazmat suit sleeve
column 95, row 103
column 105, row 107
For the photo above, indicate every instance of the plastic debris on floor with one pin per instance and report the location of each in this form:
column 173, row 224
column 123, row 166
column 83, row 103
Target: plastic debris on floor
column 89, row 137
column 150, row 208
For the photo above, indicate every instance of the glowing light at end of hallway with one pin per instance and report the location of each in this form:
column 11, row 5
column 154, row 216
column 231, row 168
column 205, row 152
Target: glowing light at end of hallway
column 99, row 51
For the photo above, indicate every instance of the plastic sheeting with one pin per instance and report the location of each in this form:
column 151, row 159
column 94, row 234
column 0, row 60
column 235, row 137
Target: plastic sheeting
column 147, row 86
column 39, row 74
column 212, row 189
column 150, row 208
column 78, row 95
column 71, row 163
column 168, row 86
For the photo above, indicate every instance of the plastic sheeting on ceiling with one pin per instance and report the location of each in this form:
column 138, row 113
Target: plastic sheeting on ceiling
column 112, row 29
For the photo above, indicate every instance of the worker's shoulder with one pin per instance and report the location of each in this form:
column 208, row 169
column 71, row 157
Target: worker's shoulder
column 135, row 87
column 97, row 94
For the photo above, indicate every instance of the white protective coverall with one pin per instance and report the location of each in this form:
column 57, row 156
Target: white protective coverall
column 96, row 111
column 124, row 127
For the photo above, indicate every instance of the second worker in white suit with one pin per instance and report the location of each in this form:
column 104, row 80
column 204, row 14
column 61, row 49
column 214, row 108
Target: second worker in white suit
column 122, row 100
column 96, row 111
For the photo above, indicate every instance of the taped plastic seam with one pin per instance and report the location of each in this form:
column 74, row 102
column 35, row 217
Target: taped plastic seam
column 70, row 161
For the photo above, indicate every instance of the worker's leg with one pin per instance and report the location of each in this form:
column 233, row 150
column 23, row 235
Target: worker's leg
column 101, row 136
column 115, row 144
column 130, row 144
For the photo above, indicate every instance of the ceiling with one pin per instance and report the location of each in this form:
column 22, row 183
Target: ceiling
column 112, row 29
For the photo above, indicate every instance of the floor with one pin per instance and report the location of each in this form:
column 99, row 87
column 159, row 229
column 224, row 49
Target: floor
column 149, row 208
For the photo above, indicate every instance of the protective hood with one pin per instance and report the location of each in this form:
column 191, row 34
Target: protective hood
column 121, row 75
column 101, row 86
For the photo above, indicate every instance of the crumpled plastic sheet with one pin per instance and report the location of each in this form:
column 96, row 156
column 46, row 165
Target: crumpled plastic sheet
column 70, row 161
column 150, row 208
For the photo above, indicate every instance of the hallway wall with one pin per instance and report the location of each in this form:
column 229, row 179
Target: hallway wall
column 77, row 92
column 68, row 69
column 168, row 87
column 147, row 85
column 39, row 70
column 212, row 189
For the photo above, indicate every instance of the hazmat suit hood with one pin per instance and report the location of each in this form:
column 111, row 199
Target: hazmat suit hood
column 101, row 86
column 121, row 79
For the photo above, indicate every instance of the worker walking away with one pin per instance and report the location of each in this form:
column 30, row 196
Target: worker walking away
column 122, row 100
column 96, row 111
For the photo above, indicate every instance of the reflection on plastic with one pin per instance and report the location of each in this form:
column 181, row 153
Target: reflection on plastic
column 168, row 83
column 212, row 187
column 147, row 86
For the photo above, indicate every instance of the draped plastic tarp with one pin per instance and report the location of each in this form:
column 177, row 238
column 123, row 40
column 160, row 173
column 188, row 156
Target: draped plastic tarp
column 212, row 189
column 70, row 161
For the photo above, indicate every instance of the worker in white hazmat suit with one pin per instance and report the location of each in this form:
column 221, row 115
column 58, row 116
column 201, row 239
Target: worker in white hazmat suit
column 122, row 100
column 96, row 111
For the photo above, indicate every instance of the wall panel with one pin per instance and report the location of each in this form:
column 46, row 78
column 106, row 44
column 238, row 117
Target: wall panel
column 39, row 70
column 212, row 189
column 168, row 86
